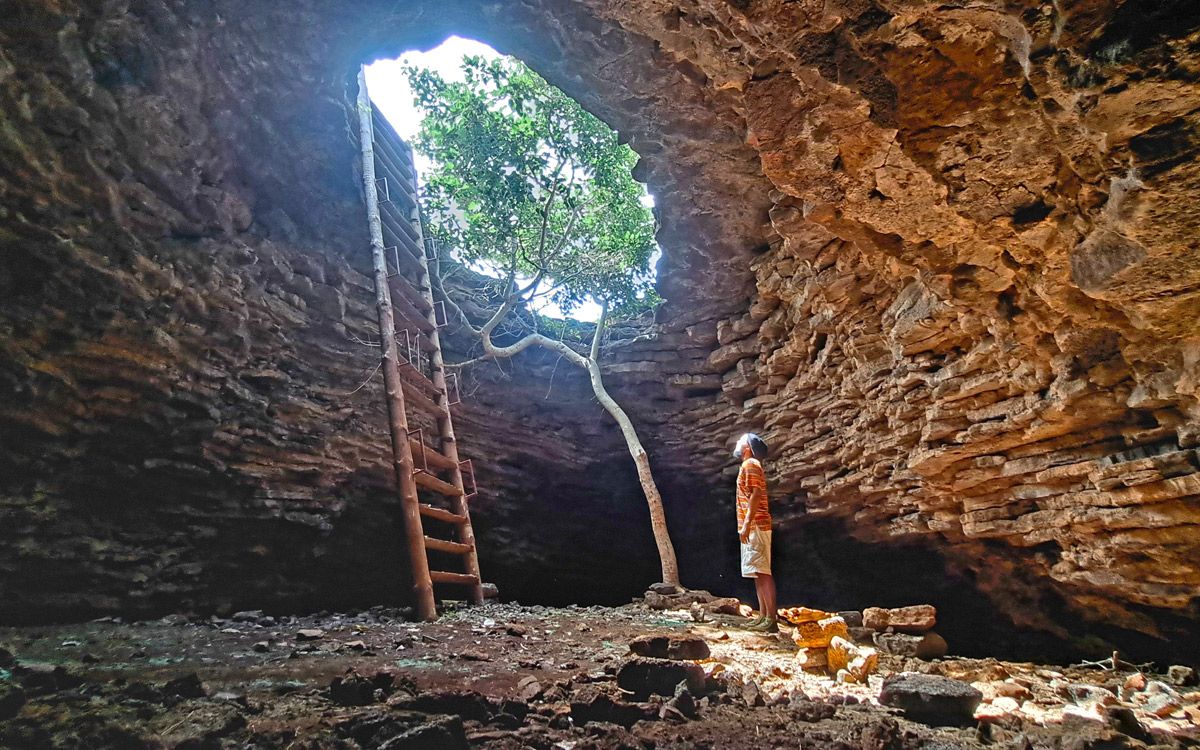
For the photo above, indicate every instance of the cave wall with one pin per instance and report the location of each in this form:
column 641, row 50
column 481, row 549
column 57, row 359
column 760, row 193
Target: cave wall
column 941, row 255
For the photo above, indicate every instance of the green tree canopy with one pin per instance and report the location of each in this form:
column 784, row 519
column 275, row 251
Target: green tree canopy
column 525, row 180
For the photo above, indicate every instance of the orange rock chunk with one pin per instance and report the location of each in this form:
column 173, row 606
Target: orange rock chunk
column 818, row 634
column 849, row 662
column 800, row 615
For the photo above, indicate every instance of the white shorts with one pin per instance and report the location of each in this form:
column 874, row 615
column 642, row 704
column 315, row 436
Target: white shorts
column 756, row 554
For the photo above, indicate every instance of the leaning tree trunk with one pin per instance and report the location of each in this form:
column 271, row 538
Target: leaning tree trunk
column 658, row 518
column 590, row 364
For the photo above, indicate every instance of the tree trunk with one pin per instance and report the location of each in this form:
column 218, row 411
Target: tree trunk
column 590, row 364
column 658, row 518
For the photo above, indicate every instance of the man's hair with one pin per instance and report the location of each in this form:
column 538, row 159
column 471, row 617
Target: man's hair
column 758, row 446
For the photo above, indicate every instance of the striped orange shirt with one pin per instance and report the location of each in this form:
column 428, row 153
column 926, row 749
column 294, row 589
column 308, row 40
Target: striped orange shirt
column 751, row 477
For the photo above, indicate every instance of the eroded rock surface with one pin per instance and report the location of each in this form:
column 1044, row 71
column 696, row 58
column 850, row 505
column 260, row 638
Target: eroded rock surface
column 940, row 255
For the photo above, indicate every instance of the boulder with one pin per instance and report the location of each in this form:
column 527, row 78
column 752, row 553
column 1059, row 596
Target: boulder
column 812, row 659
column 818, row 634
column 931, row 699
column 927, row 646
column 352, row 689
column 681, row 646
column 916, row 619
column 644, row 676
column 187, row 686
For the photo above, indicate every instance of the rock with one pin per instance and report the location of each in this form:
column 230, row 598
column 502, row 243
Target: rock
column 529, row 688
column 1181, row 676
column 309, row 634
column 681, row 646
column 352, row 689
column 916, row 619
column 646, row 676
column 665, row 588
column 490, row 591
column 474, row 655
column 12, row 697
column 850, row 663
column 515, row 629
column 250, row 615
column 800, row 615
column 862, row 635
column 812, row 711
column 818, row 634
column 682, row 705
column 931, row 699
column 812, row 659
column 927, row 646
column 187, row 686
column 262, row 646
column 725, row 606
column 465, row 703
column 601, row 707
column 442, row 733
column 853, row 618
column 46, row 678
column 6, row 658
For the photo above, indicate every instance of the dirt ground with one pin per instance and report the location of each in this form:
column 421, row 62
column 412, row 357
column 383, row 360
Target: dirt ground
column 507, row 676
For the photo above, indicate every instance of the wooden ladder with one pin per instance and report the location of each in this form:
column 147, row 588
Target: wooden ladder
column 414, row 377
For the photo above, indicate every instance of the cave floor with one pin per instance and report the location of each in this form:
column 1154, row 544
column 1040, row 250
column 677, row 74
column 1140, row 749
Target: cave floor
column 507, row 676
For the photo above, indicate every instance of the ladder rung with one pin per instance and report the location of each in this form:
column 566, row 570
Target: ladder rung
column 435, row 459
column 392, row 211
column 408, row 316
column 441, row 514
column 442, row 576
column 384, row 128
column 404, row 288
column 406, row 244
column 441, row 545
column 414, row 396
column 430, row 482
column 417, row 378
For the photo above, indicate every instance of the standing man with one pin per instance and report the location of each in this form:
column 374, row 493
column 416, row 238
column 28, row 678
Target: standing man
column 754, row 528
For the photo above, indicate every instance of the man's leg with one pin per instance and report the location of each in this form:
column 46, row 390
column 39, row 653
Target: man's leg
column 765, row 584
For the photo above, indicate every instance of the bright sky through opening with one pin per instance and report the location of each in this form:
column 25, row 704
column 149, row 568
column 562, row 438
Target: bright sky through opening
column 394, row 97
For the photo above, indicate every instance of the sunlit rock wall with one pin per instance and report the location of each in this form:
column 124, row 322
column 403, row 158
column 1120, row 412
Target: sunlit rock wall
column 941, row 255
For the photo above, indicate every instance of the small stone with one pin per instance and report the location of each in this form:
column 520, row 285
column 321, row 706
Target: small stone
column 309, row 634
column 352, row 689
column 1162, row 705
column 916, row 619
column 666, row 589
column 1181, row 676
column 600, row 707
column 355, row 645
column 250, row 615
column 6, row 658
column 474, row 656
column 684, row 646
column 853, row 618
column 1135, row 682
column 529, row 688
column 645, row 677
column 262, row 647
column 812, row 659
column 515, row 630
column 187, row 686
column 724, row 606
column 681, row 706
column 927, row 646
column 931, row 699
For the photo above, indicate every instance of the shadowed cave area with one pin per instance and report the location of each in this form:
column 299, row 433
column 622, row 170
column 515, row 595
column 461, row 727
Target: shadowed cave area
column 941, row 256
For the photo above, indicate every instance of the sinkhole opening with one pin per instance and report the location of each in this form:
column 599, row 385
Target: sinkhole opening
column 518, row 178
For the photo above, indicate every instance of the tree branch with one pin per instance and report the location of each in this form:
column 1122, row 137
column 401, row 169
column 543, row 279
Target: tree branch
column 599, row 334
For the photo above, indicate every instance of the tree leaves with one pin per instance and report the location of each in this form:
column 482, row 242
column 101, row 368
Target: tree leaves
column 526, row 180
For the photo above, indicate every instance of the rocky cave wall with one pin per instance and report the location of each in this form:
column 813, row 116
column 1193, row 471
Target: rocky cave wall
column 942, row 255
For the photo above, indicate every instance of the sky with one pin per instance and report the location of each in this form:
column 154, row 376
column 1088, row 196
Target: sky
column 393, row 96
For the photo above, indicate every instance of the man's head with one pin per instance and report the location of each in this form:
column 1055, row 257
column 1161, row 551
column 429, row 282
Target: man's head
column 756, row 445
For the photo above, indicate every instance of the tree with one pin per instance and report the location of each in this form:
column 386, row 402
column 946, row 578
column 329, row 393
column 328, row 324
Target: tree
column 528, row 184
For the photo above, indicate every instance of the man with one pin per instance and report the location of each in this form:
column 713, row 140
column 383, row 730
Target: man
column 754, row 528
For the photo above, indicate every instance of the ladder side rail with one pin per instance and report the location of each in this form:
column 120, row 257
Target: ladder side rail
column 466, row 533
column 402, row 459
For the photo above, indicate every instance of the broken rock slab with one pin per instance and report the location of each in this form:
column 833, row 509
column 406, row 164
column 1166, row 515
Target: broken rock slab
column 601, row 707
column 927, row 646
column 917, row 619
column 682, row 646
column 645, row 676
column 819, row 634
column 931, row 699
column 850, row 663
